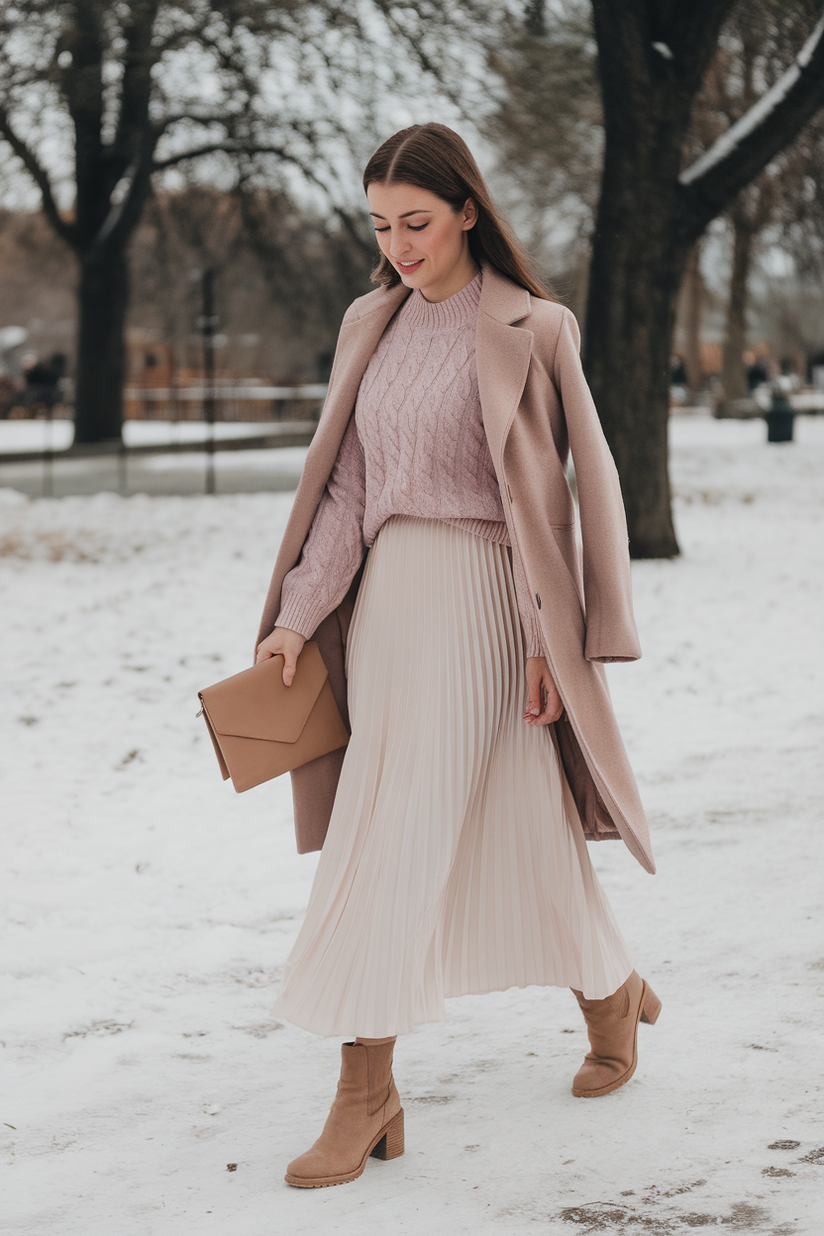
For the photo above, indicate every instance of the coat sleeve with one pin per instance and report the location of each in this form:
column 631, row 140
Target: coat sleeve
column 611, row 634
column 334, row 547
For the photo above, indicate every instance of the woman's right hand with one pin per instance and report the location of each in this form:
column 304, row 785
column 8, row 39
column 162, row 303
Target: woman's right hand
column 286, row 642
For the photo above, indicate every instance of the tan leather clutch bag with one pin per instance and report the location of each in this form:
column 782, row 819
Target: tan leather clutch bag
column 260, row 728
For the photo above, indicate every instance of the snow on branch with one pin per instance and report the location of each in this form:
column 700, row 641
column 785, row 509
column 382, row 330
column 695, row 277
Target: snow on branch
column 118, row 199
column 757, row 114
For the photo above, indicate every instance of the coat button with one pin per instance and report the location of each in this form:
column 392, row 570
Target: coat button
column 538, row 599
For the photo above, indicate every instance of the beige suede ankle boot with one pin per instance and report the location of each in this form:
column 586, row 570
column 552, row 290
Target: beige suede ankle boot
column 366, row 1119
column 612, row 1027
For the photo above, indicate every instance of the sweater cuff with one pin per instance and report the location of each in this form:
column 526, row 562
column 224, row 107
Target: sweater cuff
column 534, row 647
column 301, row 614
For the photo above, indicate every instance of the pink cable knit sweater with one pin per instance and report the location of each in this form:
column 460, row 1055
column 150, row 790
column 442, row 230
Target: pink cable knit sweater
column 415, row 446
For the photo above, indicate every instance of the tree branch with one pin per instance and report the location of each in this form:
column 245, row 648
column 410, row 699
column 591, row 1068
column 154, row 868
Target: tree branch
column 745, row 149
column 352, row 231
column 40, row 177
column 195, row 152
column 250, row 149
column 202, row 118
column 138, row 59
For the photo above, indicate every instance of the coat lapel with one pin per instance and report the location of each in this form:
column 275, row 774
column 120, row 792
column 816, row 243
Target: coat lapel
column 502, row 353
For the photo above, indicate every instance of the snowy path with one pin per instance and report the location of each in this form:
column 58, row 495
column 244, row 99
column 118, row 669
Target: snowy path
column 148, row 908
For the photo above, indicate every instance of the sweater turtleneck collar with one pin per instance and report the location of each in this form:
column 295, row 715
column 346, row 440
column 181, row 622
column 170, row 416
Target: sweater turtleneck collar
column 457, row 310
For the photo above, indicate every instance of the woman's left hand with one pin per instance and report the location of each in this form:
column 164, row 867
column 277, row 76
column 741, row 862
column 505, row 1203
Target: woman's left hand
column 545, row 704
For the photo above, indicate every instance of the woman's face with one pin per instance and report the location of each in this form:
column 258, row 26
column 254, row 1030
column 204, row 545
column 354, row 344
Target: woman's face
column 424, row 238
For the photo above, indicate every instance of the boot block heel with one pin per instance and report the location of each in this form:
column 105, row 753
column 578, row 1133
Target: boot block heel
column 390, row 1145
column 650, row 1006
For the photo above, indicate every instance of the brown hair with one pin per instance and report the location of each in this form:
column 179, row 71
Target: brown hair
column 432, row 156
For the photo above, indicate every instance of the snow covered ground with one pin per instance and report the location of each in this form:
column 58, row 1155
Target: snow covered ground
column 149, row 909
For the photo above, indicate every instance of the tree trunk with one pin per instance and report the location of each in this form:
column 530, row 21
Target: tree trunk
column 103, row 297
column 649, row 76
column 733, row 376
column 652, row 59
column 692, row 316
column 636, row 270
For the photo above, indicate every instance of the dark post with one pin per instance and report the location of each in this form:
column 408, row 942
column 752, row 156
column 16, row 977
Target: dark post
column 780, row 418
column 208, row 322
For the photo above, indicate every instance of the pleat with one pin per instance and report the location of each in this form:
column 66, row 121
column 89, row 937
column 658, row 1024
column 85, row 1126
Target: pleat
column 455, row 862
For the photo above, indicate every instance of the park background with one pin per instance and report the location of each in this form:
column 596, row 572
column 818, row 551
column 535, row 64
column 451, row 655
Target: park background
column 181, row 230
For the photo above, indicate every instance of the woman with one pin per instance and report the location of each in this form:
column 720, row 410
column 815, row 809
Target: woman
column 455, row 859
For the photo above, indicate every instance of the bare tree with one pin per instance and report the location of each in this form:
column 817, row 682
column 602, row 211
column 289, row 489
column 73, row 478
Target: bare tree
column 669, row 100
column 802, row 208
column 754, row 48
column 139, row 87
column 284, row 275
column 546, row 125
column 652, row 60
column 749, row 215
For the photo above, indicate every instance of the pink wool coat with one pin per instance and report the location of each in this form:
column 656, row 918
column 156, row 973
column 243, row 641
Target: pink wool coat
column 536, row 407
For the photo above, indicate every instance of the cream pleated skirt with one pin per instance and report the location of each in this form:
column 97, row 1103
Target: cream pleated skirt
column 455, row 861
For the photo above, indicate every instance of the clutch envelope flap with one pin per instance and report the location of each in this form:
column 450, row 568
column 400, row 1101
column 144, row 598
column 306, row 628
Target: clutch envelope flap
column 256, row 704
